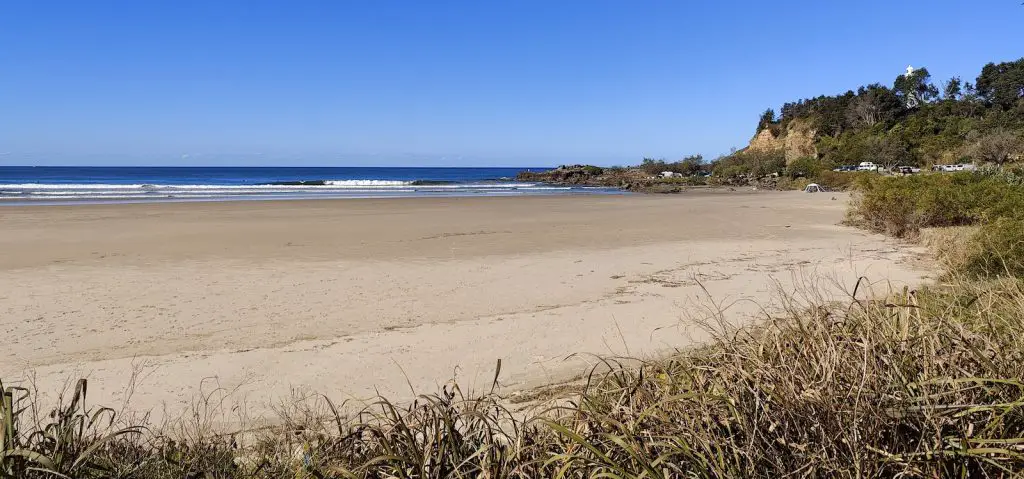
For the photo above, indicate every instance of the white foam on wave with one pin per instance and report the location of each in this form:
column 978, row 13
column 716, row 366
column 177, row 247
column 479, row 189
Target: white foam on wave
column 61, row 186
column 88, row 196
column 41, row 193
column 366, row 183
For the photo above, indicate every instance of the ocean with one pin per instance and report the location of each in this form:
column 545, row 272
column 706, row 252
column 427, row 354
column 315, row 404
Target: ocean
column 24, row 185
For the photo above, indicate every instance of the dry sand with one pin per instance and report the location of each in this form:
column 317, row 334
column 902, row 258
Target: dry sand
column 349, row 297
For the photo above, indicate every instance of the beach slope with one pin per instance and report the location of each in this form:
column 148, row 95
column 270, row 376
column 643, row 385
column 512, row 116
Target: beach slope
column 354, row 297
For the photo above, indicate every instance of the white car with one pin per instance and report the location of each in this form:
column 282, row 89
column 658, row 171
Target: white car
column 956, row 167
column 867, row 166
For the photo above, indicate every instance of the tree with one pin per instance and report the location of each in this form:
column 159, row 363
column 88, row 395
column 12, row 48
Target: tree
column 827, row 112
column 864, row 111
column 873, row 104
column 691, row 165
column 805, row 167
column 971, row 104
column 998, row 147
column 1002, row 84
column 652, row 166
column 887, row 151
column 830, row 113
column 915, row 88
column 764, row 163
column 767, row 119
column 952, row 89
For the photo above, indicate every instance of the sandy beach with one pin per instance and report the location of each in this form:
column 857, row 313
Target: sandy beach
column 351, row 297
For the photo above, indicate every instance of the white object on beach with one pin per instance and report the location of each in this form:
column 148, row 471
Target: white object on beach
column 813, row 188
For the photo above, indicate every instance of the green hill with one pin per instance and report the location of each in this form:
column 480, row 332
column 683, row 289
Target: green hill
column 912, row 122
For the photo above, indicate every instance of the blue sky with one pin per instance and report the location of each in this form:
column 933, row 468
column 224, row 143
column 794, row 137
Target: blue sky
column 446, row 83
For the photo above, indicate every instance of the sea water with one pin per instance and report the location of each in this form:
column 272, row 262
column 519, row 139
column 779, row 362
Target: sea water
column 67, row 184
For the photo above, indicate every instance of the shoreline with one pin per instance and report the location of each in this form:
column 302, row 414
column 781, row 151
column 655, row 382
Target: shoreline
column 548, row 190
column 349, row 297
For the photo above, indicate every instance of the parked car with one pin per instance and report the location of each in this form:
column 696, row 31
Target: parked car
column 906, row 170
column 846, row 168
column 956, row 167
column 867, row 166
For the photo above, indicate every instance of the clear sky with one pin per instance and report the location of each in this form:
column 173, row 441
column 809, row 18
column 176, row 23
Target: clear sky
column 446, row 83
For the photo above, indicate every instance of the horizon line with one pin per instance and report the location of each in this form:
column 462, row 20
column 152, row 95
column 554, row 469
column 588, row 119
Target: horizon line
column 263, row 166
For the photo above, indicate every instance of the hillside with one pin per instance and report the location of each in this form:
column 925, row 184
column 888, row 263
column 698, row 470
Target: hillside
column 912, row 122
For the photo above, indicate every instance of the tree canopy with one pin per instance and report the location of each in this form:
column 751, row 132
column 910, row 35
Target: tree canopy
column 915, row 88
column 1002, row 84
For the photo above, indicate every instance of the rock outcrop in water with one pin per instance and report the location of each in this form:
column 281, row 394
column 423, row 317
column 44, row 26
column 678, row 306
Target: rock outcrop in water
column 579, row 175
column 628, row 179
column 584, row 175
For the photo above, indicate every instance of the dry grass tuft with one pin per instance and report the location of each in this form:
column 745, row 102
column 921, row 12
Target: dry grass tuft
column 921, row 384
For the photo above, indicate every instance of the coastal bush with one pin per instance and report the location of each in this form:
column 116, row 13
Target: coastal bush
column 1011, row 175
column 998, row 146
column 753, row 163
column 838, row 180
column 689, row 166
column 997, row 249
column 901, row 206
column 786, row 183
column 990, row 200
column 806, row 167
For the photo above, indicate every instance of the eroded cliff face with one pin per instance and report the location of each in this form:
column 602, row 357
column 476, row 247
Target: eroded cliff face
column 797, row 141
column 764, row 141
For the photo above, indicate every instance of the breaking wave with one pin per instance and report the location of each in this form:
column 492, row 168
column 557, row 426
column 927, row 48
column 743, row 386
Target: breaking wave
column 353, row 188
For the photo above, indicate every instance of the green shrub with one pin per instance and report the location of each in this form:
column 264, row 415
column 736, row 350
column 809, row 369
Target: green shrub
column 691, row 165
column 900, row 206
column 791, row 184
column 754, row 163
column 991, row 200
column 838, row 180
column 806, row 167
column 997, row 250
column 1012, row 175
